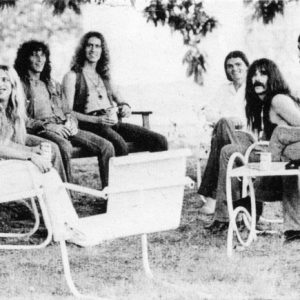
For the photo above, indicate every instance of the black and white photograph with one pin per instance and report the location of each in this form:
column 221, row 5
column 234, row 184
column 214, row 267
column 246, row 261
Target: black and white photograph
column 150, row 149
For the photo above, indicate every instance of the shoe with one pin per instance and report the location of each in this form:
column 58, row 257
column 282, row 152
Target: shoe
column 293, row 164
column 291, row 235
column 209, row 205
column 217, row 226
column 76, row 236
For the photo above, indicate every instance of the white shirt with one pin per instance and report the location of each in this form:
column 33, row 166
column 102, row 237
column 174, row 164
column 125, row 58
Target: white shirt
column 228, row 102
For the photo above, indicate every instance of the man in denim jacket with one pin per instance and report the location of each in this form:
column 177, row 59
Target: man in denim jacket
column 49, row 116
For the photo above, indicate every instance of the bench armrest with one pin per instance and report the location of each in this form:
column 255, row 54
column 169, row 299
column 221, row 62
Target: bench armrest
column 145, row 117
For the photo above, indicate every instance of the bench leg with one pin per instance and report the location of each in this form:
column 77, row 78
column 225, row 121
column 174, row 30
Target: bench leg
column 199, row 179
column 146, row 265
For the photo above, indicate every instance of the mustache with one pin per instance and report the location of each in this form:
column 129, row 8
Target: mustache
column 258, row 83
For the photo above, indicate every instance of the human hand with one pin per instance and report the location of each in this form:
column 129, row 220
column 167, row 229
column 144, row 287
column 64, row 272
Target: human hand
column 59, row 129
column 43, row 164
column 106, row 120
column 36, row 149
column 124, row 111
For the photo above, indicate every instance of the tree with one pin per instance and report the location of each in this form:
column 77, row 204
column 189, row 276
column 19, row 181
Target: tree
column 190, row 19
column 30, row 20
column 185, row 16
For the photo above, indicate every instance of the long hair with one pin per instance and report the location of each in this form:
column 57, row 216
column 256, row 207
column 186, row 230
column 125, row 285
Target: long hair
column 235, row 54
column 276, row 84
column 78, row 60
column 22, row 63
column 15, row 111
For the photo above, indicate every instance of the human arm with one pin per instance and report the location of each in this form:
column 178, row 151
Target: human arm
column 284, row 111
column 124, row 108
column 17, row 151
column 34, row 126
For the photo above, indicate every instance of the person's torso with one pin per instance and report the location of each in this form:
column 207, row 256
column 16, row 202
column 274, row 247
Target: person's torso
column 44, row 102
column 232, row 102
column 7, row 131
column 273, row 119
column 97, row 98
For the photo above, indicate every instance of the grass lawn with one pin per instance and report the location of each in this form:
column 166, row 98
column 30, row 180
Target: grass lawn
column 190, row 258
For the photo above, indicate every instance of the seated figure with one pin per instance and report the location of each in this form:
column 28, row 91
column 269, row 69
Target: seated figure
column 12, row 146
column 90, row 95
column 14, row 141
column 273, row 110
column 49, row 116
column 225, row 138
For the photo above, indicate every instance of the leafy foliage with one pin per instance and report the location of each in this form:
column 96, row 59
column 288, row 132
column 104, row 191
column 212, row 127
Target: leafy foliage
column 7, row 3
column 30, row 19
column 267, row 10
column 61, row 5
column 196, row 64
column 190, row 19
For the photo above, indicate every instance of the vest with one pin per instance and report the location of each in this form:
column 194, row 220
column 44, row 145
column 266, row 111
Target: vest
column 81, row 93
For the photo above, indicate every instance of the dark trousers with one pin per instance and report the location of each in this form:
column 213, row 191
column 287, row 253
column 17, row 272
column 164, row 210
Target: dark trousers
column 91, row 142
column 224, row 133
column 121, row 133
column 225, row 141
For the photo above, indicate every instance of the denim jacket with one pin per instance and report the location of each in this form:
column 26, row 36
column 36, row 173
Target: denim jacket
column 40, row 115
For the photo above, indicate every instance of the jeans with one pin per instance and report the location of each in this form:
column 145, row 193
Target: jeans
column 91, row 142
column 32, row 140
column 225, row 141
column 285, row 145
column 121, row 133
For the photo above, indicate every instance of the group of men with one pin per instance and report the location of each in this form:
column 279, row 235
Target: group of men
column 262, row 104
column 85, row 110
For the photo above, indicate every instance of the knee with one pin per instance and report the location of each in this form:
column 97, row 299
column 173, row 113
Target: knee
column 121, row 148
column 279, row 133
column 222, row 124
column 108, row 149
column 66, row 150
column 162, row 143
column 227, row 151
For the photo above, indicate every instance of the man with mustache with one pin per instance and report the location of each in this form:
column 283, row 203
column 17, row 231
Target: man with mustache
column 272, row 110
column 230, row 101
column 49, row 114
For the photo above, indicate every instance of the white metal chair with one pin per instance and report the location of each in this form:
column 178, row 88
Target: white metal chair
column 15, row 187
column 247, row 172
column 145, row 195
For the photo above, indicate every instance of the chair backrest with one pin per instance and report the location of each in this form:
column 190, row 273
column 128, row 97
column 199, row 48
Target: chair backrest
column 14, row 177
column 146, row 191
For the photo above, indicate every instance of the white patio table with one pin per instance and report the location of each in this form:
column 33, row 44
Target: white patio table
column 246, row 172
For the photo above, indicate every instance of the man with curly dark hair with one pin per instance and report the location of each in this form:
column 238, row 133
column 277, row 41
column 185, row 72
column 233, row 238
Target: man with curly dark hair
column 49, row 115
column 97, row 107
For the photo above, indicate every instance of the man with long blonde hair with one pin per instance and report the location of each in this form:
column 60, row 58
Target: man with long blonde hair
column 15, row 142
